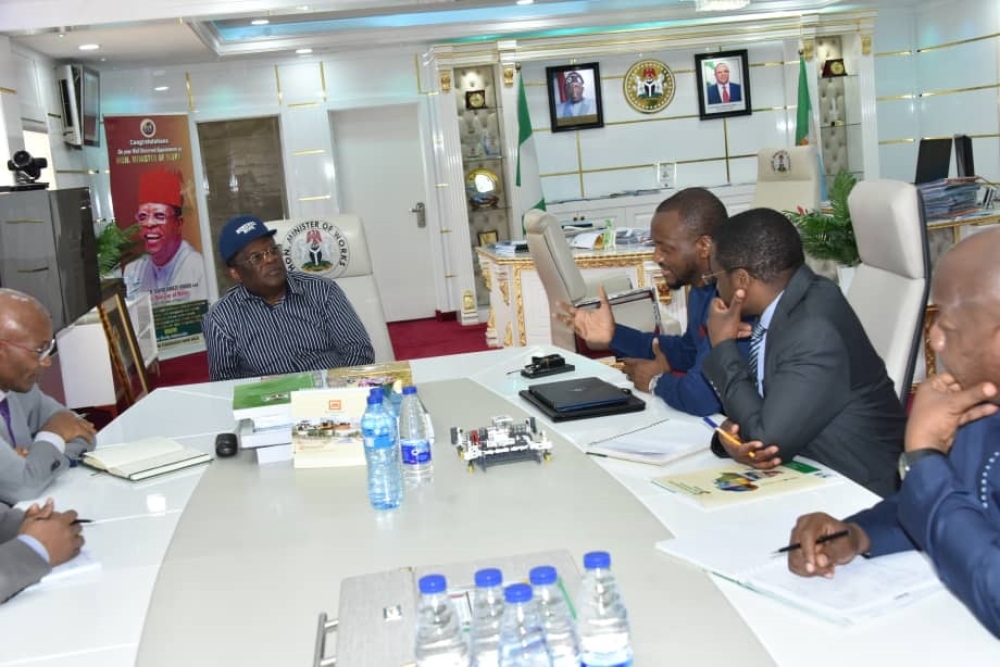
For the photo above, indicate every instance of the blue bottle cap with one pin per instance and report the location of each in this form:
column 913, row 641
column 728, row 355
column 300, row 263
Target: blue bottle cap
column 517, row 593
column 432, row 583
column 376, row 391
column 374, row 399
column 409, row 389
column 543, row 575
column 597, row 560
column 488, row 577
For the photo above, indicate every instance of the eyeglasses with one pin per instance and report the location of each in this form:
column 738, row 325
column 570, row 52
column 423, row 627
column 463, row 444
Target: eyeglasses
column 709, row 277
column 258, row 258
column 43, row 352
column 157, row 218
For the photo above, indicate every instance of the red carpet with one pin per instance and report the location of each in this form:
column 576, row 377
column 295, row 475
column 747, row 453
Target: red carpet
column 415, row 339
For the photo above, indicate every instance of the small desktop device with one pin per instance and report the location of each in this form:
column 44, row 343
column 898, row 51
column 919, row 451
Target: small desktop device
column 550, row 364
column 226, row 445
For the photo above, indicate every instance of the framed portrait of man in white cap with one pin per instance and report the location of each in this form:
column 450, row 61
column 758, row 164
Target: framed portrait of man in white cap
column 574, row 97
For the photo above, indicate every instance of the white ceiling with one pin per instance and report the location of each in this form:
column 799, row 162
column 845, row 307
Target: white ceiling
column 137, row 33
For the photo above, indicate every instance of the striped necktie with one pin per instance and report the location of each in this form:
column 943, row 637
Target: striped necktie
column 756, row 338
column 5, row 411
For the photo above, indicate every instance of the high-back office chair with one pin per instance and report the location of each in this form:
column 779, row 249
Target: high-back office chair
column 787, row 178
column 890, row 286
column 563, row 282
column 335, row 247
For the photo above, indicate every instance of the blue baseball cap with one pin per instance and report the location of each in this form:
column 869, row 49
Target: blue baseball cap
column 240, row 231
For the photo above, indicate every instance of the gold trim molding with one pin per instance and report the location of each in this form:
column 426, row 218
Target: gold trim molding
column 808, row 47
column 444, row 78
column 508, row 76
column 866, row 45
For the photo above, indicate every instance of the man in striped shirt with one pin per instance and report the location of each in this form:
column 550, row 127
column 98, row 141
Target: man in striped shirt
column 276, row 322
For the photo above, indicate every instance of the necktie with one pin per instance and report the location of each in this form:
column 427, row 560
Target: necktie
column 5, row 411
column 725, row 93
column 756, row 338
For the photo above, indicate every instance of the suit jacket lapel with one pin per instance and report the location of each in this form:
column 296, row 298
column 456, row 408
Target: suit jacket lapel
column 795, row 291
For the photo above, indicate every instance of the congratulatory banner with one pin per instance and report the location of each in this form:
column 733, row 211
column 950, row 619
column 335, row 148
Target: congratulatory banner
column 152, row 186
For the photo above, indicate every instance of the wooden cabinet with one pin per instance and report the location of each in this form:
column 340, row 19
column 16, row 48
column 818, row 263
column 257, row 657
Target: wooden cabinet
column 82, row 364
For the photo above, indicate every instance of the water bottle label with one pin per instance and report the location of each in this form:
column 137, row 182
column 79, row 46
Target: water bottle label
column 378, row 442
column 416, row 452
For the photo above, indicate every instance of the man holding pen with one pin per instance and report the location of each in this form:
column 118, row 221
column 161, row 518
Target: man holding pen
column 949, row 502
column 33, row 542
column 813, row 384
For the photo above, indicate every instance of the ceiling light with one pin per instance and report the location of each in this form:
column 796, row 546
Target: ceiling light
column 719, row 5
column 89, row 47
column 160, row 89
column 525, row 2
column 259, row 22
column 303, row 52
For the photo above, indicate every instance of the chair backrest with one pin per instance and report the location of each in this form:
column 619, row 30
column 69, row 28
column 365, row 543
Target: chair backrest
column 890, row 286
column 787, row 178
column 560, row 276
column 335, row 247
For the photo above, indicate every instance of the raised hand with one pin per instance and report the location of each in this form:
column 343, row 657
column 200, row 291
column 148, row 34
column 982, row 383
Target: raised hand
column 940, row 406
column 642, row 371
column 724, row 322
column 596, row 327
column 813, row 559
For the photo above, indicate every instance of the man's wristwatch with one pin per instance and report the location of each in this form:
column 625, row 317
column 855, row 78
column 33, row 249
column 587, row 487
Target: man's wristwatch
column 907, row 459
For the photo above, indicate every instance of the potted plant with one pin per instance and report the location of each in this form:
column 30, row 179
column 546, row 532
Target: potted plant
column 827, row 234
column 112, row 244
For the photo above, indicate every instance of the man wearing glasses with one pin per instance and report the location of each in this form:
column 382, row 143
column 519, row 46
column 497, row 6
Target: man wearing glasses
column 38, row 436
column 275, row 322
column 170, row 268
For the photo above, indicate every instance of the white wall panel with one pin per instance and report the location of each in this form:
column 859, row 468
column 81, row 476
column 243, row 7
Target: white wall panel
column 943, row 115
column 897, row 119
column 959, row 66
column 898, row 161
column 301, row 83
column 237, row 89
column 896, row 75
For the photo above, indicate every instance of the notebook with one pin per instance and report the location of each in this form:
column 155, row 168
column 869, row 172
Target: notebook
column 861, row 590
column 657, row 444
column 144, row 458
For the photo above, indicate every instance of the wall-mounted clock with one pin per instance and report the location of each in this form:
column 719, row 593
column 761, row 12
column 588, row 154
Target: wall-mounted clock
column 475, row 99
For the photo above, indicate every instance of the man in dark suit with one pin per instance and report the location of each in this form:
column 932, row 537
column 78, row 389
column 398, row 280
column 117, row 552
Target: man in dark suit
column 32, row 543
column 723, row 90
column 814, row 384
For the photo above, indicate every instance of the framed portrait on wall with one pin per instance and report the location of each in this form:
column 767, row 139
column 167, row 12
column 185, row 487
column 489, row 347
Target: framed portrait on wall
column 574, row 97
column 723, row 84
column 126, row 357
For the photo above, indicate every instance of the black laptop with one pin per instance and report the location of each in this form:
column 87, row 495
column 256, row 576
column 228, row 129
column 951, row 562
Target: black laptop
column 581, row 398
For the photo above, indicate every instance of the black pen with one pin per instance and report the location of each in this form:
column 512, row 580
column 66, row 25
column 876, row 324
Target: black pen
column 820, row 540
column 603, row 456
column 82, row 520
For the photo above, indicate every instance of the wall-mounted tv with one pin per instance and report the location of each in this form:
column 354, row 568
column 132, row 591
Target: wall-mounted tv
column 80, row 93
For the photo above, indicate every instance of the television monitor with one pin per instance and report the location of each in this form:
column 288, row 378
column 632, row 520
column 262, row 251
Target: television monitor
column 964, row 164
column 80, row 93
column 933, row 160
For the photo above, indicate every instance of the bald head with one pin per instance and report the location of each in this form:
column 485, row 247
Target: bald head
column 21, row 313
column 969, row 273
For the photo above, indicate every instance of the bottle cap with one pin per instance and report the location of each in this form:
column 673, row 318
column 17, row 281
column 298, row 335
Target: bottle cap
column 377, row 391
column 543, row 575
column 517, row 593
column 409, row 389
column 374, row 399
column 597, row 560
column 487, row 577
column 432, row 583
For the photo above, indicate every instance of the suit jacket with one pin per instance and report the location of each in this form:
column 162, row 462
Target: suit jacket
column 949, row 507
column 25, row 478
column 735, row 95
column 20, row 566
column 827, row 394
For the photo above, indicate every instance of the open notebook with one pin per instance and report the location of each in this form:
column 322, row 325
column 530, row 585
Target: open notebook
column 860, row 590
column 144, row 458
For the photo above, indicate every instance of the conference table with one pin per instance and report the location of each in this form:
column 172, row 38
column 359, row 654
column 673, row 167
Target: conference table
column 231, row 563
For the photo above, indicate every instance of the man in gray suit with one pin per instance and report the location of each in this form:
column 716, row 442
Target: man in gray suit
column 32, row 543
column 814, row 384
column 38, row 436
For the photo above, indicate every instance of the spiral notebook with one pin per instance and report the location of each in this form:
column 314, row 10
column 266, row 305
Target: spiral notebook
column 861, row 590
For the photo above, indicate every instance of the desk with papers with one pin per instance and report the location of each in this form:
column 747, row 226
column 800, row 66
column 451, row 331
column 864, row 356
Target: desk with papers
column 230, row 564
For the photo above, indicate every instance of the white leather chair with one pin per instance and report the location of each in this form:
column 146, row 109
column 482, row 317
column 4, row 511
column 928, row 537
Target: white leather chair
column 890, row 286
column 335, row 247
column 563, row 282
column 787, row 178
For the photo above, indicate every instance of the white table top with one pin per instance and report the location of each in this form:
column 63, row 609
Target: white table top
column 98, row 619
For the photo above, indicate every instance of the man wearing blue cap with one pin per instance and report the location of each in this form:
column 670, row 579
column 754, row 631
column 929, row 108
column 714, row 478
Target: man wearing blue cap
column 275, row 322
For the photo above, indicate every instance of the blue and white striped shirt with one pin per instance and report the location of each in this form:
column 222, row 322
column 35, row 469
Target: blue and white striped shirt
column 312, row 328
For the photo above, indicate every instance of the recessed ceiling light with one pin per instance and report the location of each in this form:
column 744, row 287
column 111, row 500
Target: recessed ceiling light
column 160, row 89
column 89, row 47
column 303, row 52
column 303, row 8
column 259, row 22
column 525, row 2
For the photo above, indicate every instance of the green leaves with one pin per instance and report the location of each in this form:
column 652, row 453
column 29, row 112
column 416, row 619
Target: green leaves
column 112, row 243
column 829, row 234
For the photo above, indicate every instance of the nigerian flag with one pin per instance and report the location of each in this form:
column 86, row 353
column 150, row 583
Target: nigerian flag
column 804, row 114
column 529, row 183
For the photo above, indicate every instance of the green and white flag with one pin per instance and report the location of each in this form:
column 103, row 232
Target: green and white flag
column 529, row 183
column 803, row 117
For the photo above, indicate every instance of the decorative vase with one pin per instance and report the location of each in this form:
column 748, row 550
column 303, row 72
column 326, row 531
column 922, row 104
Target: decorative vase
column 845, row 274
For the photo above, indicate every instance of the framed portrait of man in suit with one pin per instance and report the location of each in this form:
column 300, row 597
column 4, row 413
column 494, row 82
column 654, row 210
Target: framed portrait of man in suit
column 723, row 84
column 574, row 97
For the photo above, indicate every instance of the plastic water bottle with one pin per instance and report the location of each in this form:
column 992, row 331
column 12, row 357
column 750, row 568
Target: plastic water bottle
column 385, row 482
column 487, row 612
column 418, row 465
column 522, row 640
column 557, row 621
column 440, row 642
column 602, row 621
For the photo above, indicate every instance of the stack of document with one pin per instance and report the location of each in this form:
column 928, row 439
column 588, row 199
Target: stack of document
column 949, row 197
column 509, row 248
column 263, row 414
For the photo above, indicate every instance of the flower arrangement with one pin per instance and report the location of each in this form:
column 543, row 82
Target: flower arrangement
column 828, row 234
